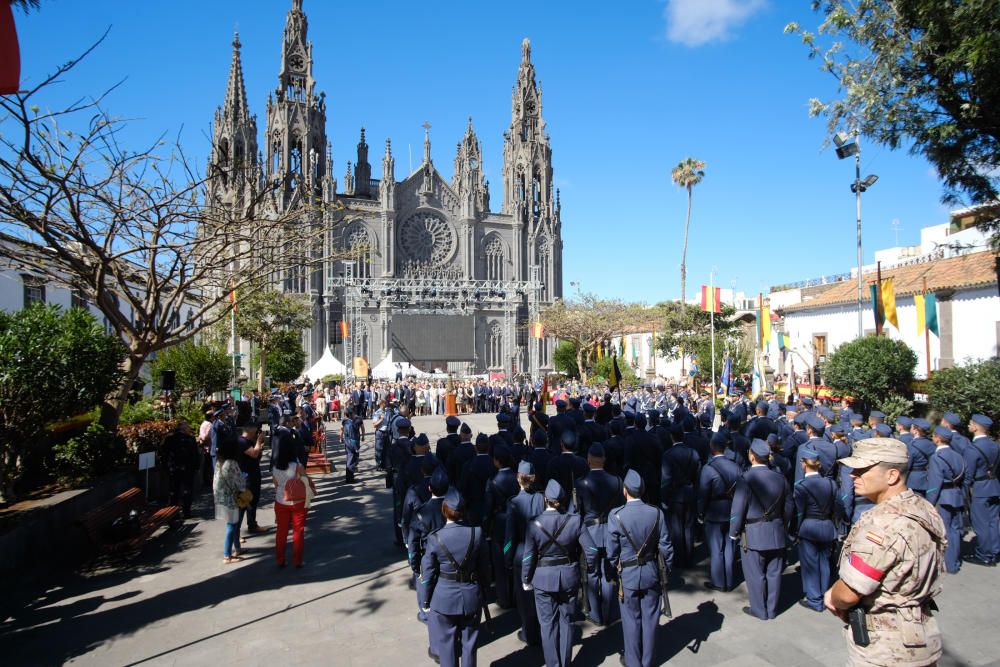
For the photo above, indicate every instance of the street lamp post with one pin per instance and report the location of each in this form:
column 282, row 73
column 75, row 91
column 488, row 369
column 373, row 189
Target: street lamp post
column 847, row 147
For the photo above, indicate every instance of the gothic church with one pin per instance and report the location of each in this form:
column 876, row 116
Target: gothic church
column 419, row 246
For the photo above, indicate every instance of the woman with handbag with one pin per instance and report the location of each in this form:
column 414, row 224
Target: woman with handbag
column 293, row 492
column 229, row 488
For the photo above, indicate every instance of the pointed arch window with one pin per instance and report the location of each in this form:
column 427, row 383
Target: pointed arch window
column 276, row 154
column 536, row 197
column 494, row 346
column 359, row 246
column 362, row 340
column 542, row 254
column 496, row 257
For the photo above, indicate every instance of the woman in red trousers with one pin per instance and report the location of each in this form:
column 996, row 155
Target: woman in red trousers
column 290, row 482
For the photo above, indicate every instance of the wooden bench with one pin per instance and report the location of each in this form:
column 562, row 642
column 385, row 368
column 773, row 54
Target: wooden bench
column 97, row 522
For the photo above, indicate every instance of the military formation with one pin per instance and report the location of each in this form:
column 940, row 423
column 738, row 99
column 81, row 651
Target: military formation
column 583, row 513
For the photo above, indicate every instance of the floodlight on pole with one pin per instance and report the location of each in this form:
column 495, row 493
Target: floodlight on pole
column 848, row 146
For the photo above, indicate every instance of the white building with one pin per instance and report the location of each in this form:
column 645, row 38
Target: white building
column 818, row 318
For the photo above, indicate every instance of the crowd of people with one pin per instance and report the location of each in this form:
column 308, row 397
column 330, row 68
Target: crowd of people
column 583, row 513
column 603, row 498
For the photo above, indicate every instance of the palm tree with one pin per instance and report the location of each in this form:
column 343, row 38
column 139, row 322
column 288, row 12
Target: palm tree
column 687, row 174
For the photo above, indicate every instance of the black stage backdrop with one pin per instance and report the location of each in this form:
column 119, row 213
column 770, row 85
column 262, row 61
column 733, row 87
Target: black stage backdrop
column 434, row 337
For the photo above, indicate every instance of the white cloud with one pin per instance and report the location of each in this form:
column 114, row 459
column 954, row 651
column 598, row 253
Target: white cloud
column 697, row 22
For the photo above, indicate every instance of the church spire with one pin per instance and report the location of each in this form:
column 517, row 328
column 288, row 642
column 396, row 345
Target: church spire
column 235, row 104
column 427, row 142
column 362, row 169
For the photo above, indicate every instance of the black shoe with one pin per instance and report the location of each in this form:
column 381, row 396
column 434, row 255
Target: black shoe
column 520, row 635
column 433, row 657
column 805, row 603
column 748, row 612
column 712, row 587
column 621, row 658
column 976, row 560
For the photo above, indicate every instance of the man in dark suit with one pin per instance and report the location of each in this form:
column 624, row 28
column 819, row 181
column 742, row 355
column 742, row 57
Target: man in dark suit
column 605, row 412
column 590, row 432
column 762, row 507
column 500, row 489
column 558, row 423
column 636, row 536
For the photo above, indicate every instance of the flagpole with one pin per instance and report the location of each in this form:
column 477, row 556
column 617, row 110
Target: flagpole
column 927, row 332
column 878, row 292
column 711, row 319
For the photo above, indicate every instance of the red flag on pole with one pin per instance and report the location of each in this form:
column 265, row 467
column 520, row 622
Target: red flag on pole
column 232, row 294
column 537, row 330
column 10, row 55
column 343, row 328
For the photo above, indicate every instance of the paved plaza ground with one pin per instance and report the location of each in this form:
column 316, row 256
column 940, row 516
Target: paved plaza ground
column 351, row 605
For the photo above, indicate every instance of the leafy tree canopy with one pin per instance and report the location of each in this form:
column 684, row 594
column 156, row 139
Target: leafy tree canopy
column 285, row 359
column 264, row 318
column 923, row 74
column 873, row 369
column 200, row 369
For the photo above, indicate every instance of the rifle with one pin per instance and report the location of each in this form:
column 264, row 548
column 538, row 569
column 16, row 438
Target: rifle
column 662, row 565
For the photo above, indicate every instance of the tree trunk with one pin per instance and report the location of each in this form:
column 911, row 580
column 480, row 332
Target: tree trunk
column 114, row 403
column 580, row 365
column 684, row 252
column 261, row 367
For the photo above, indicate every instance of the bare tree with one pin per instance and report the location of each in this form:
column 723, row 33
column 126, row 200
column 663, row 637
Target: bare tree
column 590, row 321
column 128, row 229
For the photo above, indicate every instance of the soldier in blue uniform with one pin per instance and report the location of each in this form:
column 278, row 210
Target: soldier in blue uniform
column 959, row 442
column 920, row 450
column 464, row 452
column 945, row 479
column 450, row 442
column 521, row 509
column 450, row 590
column 815, row 428
column 856, row 432
column 352, row 445
column 503, row 434
column 558, row 423
column 395, row 461
column 614, row 448
column 680, row 469
column 779, row 461
column 597, row 493
column 500, row 489
column 762, row 507
column 567, row 467
column 982, row 461
column 816, row 509
column 875, row 417
column 590, row 431
column 475, row 475
column 903, row 425
column 551, row 569
column 636, row 536
column 716, row 488
column 422, row 516
column 539, row 457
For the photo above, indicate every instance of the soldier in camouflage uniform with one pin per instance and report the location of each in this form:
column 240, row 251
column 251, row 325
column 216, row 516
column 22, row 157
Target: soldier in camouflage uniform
column 891, row 562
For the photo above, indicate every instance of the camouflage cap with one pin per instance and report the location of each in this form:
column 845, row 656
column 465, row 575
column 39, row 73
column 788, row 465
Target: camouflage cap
column 876, row 450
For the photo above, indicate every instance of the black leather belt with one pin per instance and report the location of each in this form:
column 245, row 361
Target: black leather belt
column 595, row 522
column 821, row 517
column 642, row 560
column 554, row 561
column 460, row 577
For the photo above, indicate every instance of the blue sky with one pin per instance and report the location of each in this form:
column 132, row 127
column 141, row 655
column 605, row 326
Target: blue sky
column 629, row 89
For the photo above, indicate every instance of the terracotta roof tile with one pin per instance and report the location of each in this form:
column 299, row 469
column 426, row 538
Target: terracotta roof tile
column 969, row 270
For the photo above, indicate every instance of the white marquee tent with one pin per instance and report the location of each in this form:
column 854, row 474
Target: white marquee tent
column 327, row 365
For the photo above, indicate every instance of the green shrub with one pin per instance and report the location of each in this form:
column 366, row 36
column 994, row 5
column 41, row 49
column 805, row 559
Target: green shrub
column 88, row 456
column 336, row 378
column 140, row 411
column 871, row 369
column 895, row 405
column 967, row 389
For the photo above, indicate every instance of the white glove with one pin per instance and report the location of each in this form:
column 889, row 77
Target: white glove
column 528, row 587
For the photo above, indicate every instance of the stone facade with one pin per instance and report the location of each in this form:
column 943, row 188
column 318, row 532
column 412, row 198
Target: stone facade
column 420, row 229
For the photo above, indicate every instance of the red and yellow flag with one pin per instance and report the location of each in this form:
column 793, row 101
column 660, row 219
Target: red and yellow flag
column 537, row 330
column 232, row 294
column 711, row 299
column 343, row 328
